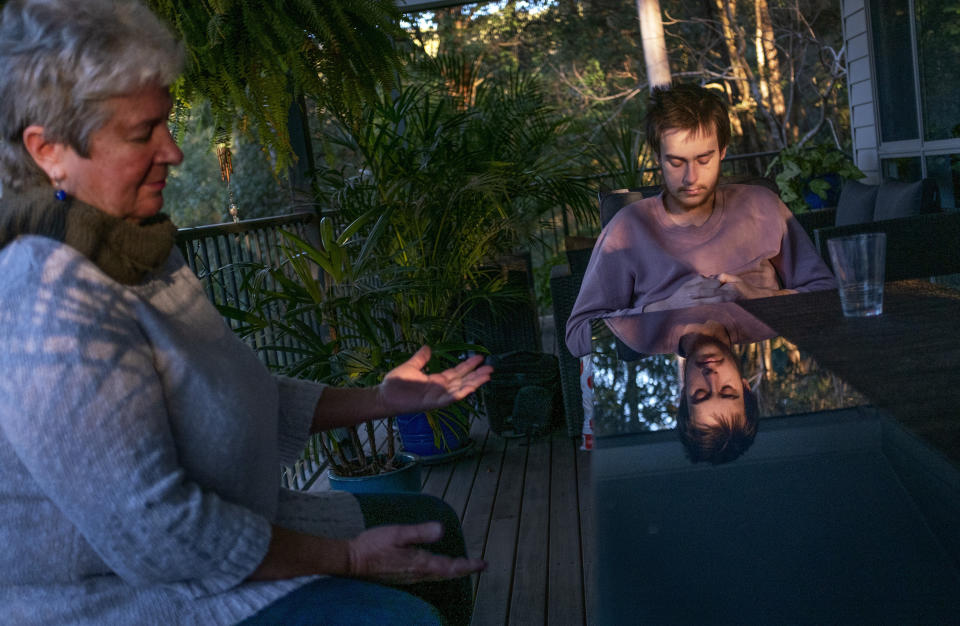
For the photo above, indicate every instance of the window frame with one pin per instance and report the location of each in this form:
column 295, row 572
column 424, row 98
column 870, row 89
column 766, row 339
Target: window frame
column 918, row 147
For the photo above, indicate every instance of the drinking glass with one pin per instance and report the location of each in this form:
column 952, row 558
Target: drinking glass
column 858, row 263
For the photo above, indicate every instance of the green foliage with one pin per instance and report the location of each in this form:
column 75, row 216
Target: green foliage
column 623, row 156
column 248, row 59
column 341, row 329
column 195, row 194
column 590, row 53
column 460, row 180
column 440, row 184
column 801, row 169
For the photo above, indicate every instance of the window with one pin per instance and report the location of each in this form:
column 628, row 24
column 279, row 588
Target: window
column 938, row 47
column 946, row 169
column 915, row 47
column 895, row 79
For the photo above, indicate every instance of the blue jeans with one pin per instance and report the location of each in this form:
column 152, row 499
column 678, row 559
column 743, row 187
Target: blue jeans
column 346, row 602
column 335, row 601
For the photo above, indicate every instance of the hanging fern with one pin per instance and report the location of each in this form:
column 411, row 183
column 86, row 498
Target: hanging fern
column 249, row 59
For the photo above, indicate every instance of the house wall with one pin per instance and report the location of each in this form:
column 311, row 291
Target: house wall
column 860, row 90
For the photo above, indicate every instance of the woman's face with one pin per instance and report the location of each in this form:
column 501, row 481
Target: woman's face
column 129, row 157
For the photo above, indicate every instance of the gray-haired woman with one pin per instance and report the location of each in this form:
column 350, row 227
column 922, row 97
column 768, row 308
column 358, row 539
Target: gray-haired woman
column 139, row 440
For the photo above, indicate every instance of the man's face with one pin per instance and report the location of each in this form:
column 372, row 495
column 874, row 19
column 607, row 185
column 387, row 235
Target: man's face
column 712, row 382
column 690, row 162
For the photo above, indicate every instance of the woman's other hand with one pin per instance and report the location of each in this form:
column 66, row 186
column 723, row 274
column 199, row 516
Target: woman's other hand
column 389, row 554
column 394, row 555
column 408, row 389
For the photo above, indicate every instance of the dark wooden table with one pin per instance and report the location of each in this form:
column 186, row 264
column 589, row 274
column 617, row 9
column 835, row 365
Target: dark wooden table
column 906, row 360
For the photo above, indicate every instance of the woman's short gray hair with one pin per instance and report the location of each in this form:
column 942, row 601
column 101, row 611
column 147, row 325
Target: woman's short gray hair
column 61, row 60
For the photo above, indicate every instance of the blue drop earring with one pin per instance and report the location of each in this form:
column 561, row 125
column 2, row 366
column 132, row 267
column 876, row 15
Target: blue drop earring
column 59, row 193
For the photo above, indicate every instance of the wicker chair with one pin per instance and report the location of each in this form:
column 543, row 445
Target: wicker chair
column 564, row 287
column 919, row 246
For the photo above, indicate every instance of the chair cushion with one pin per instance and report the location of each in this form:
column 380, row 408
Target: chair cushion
column 896, row 199
column 748, row 179
column 578, row 260
column 613, row 201
column 856, row 203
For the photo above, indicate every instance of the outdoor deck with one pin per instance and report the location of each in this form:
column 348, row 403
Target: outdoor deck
column 527, row 510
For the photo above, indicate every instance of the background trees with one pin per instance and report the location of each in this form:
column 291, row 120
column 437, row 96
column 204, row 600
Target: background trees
column 780, row 62
column 251, row 66
column 258, row 64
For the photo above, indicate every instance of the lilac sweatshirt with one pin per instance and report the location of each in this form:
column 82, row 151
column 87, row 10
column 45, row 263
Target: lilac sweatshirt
column 642, row 257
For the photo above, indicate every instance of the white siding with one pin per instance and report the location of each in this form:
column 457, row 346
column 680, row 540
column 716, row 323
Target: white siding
column 852, row 6
column 860, row 89
column 865, row 114
column 864, row 137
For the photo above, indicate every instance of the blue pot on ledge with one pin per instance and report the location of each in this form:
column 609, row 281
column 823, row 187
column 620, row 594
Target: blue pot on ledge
column 814, row 201
column 418, row 437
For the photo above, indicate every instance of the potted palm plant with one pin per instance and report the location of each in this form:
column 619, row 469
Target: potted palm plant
column 366, row 333
column 460, row 175
column 429, row 189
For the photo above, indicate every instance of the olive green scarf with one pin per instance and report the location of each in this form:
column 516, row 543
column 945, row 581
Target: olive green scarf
column 125, row 251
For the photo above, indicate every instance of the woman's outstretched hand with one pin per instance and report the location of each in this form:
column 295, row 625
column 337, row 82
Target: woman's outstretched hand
column 408, row 389
column 405, row 389
column 391, row 554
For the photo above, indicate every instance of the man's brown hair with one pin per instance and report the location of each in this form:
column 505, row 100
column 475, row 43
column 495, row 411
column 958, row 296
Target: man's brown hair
column 725, row 439
column 686, row 107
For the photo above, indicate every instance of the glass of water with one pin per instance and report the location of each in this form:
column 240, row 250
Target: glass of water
column 858, row 263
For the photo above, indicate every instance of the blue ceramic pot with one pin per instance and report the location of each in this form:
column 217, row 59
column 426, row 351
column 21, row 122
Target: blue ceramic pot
column 418, row 437
column 833, row 193
column 406, row 479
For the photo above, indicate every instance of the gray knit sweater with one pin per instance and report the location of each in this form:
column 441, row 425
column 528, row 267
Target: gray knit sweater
column 140, row 446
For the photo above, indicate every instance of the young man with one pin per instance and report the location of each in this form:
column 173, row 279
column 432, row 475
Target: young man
column 696, row 242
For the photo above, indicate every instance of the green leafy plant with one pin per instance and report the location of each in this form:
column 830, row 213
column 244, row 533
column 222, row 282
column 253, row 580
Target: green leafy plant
column 439, row 182
column 324, row 307
column 466, row 173
column 802, row 169
column 622, row 155
column 251, row 59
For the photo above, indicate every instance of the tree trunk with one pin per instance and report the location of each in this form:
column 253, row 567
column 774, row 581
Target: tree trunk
column 451, row 25
column 768, row 62
column 750, row 100
column 654, row 43
column 741, row 104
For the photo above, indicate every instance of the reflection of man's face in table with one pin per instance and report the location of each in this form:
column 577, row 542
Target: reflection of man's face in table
column 713, row 421
column 713, row 385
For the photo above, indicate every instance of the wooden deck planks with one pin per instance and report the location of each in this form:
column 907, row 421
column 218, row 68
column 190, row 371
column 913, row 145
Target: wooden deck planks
column 436, row 478
column 528, row 600
column 464, row 472
column 479, row 506
column 496, row 582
